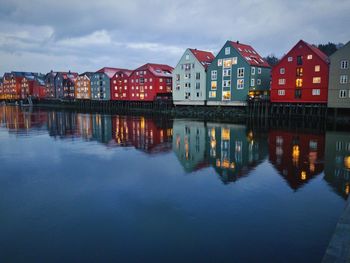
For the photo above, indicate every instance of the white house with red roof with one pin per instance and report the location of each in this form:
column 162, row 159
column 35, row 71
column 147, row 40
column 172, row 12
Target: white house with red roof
column 189, row 77
column 236, row 74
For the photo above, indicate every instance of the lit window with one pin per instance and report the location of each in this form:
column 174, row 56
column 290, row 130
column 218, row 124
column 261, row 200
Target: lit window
column 299, row 72
column 226, row 95
column 343, row 79
column 227, row 51
column 227, row 63
column 282, row 70
column 316, row 92
column 234, row 60
column 281, row 81
column 213, row 85
column 219, row 62
column 299, row 83
column 240, row 83
column 212, row 94
column 309, row 57
column 317, row 68
column 316, row 80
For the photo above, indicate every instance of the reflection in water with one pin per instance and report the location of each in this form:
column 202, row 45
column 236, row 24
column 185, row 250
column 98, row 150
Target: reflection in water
column 298, row 157
column 337, row 170
column 230, row 149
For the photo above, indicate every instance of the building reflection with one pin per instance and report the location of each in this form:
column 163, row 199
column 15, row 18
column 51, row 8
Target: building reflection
column 148, row 135
column 101, row 128
column 337, row 156
column 298, row 157
column 189, row 144
column 62, row 124
column 232, row 150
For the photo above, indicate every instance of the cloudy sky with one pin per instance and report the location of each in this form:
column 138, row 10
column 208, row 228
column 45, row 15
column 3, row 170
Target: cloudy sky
column 40, row 35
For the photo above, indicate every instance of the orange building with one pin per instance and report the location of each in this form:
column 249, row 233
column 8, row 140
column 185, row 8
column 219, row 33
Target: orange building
column 83, row 86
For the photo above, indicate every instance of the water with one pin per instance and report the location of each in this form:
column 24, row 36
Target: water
column 94, row 188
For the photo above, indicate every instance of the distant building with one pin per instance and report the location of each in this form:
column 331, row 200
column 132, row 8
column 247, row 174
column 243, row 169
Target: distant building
column 190, row 77
column 27, row 85
column 82, row 86
column 12, row 86
column 301, row 76
column 1, row 89
column 150, row 81
column 339, row 78
column 120, row 88
column 50, row 84
column 100, row 83
column 39, row 89
column 236, row 73
column 64, row 84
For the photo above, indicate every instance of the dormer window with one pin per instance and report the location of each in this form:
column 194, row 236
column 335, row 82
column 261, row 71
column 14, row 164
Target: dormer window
column 227, row 51
column 187, row 57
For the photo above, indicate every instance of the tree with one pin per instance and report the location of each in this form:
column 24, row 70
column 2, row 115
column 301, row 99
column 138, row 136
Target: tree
column 272, row 60
column 328, row 49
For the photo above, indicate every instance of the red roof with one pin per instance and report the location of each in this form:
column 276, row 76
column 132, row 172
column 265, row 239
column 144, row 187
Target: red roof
column 158, row 70
column 250, row 55
column 124, row 71
column 110, row 72
column 318, row 52
column 204, row 57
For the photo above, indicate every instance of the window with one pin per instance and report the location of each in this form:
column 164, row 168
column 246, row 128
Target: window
column 198, row 85
column 226, row 95
column 309, row 56
column 177, row 87
column 281, row 92
column 299, row 72
column 253, row 70
column 240, row 73
column 212, row 94
column 282, row 70
column 297, row 94
column 252, row 82
column 227, row 63
column 187, row 95
column 299, row 83
column 299, row 60
column 187, row 76
column 290, row 59
column 187, row 85
column 316, row 80
column 213, row 85
column 342, row 94
column 177, row 77
column 214, row 75
column 234, row 60
column 258, row 81
column 227, row 83
column 240, row 83
column 259, row 70
column 281, row 81
column 187, row 57
column 227, row 72
column 316, row 92
column 227, row 51
column 198, row 75
column 343, row 79
column 317, row 68
column 219, row 62
column 344, row 64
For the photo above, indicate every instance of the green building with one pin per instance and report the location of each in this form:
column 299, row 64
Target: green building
column 237, row 73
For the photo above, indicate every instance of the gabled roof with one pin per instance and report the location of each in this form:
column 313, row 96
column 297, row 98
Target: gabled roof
column 110, row 72
column 318, row 52
column 249, row 54
column 204, row 57
column 158, row 70
column 127, row 72
column 87, row 73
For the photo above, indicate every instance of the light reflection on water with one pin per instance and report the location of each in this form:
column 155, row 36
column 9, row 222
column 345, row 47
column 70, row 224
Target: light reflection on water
column 95, row 187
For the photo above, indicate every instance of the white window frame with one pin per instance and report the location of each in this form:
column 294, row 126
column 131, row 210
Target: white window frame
column 259, row 70
column 342, row 94
column 253, row 70
column 240, row 85
column 227, row 50
column 343, row 79
column 290, row 59
column 316, row 92
column 214, row 75
column 344, row 64
column 281, row 92
column 240, row 70
column 282, row 71
column 252, row 82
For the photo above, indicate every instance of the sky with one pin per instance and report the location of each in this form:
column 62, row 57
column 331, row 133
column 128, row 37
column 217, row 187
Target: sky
column 44, row 35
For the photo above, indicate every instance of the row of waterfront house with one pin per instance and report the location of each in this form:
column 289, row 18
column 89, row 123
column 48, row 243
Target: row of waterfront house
column 231, row 78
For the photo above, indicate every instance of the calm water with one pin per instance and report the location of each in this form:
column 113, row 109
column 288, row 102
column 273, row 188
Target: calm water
column 94, row 188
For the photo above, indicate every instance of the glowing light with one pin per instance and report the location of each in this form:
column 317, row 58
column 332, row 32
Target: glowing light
column 303, row 175
column 225, row 134
column 347, row 162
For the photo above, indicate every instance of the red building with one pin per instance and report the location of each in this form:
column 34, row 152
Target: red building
column 11, row 86
column 27, row 85
column 149, row 81
column 301, row 76
column 298, row 157
column 39, row 89
column 120, row 85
